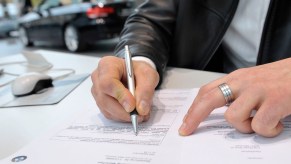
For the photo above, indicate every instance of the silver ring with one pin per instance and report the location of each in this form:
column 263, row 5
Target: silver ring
column 226, row 91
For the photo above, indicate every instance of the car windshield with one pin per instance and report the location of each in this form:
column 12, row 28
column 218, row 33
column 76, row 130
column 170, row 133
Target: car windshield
column 2, row 13
column 107, row 1
column 46, row 4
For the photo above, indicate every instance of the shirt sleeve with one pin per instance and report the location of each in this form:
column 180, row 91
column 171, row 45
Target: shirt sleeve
column 145, row 59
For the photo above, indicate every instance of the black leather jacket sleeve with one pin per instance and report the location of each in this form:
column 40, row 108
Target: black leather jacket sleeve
column 148, row 32
column 188, row 33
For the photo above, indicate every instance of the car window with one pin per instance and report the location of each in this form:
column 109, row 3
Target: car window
column 106, row 1
column 2, row 12
column 69, row 2
column 46, row 4
column 12, row 10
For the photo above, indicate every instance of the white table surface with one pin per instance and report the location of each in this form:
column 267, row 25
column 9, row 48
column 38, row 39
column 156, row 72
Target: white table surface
column 19, row 126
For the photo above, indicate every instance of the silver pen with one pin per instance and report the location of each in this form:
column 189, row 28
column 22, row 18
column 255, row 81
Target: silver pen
column 131, row 86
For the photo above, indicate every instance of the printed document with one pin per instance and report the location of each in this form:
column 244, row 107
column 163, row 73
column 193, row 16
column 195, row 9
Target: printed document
column 90, row 138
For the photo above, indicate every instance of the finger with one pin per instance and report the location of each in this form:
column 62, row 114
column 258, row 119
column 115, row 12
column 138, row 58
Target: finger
column 97, row 98
column 200, row 109
column 239, row 112
column 214, row 84
column 147, row 117
column 94, row 88
column 110, row 77
column 106, row 110
column 209, row 98
column 232, row 80
column 145, row 87
column 266, row 121
column 112, row 109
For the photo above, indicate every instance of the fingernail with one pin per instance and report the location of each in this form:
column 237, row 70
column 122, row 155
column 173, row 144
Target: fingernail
column 144, row 107
column 182, row 129
column 126, row 106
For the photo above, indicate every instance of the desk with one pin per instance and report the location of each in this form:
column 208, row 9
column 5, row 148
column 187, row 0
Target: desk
column 19, row 126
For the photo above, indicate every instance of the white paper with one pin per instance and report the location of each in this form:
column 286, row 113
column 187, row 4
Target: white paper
column 218, row 142
column 92, row 139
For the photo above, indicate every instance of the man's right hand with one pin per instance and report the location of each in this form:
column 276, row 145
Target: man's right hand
column 111, row 95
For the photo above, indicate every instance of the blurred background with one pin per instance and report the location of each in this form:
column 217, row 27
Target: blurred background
column 86, row 27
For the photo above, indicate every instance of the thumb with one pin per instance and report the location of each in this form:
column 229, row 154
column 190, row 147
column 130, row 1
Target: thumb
column 147, row 78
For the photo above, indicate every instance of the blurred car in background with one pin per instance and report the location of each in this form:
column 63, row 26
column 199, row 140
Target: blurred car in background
column 8, row 19
column 74, row 24
column 7, row 26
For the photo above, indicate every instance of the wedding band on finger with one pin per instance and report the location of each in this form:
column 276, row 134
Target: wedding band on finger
column 227, row 93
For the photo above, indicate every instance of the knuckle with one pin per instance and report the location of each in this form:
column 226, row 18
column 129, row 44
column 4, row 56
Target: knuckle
column 239, row 71
column 105, row 64
column 260, row 127
column 104, row 61
column 94, row 75
column 107, row 115
column 204, row 96
column 102, row 108
column 237, row 75
column 104, row 85
column 203, row 90
column 120, row 96
column 230, row 116
column 264, row 118
column 99, row 102
column 207, row 99
column 111, row 87
column 93, row 92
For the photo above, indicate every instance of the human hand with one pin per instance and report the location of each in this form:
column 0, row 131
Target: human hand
column 111, row 95
column 264, row 88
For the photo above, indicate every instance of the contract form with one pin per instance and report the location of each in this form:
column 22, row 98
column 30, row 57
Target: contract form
column 90, row 138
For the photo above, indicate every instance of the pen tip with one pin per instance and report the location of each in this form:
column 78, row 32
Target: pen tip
column 135, row 133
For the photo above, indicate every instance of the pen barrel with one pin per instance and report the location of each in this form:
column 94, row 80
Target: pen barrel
column 129, row 71
column 130, row 86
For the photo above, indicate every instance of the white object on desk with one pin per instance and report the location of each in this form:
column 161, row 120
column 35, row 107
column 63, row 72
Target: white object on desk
column 30, row 82
column 49, row 96
column 21, row 125
column 36, row 60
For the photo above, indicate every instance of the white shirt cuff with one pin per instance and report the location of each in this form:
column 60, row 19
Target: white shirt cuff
column 145, row 59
